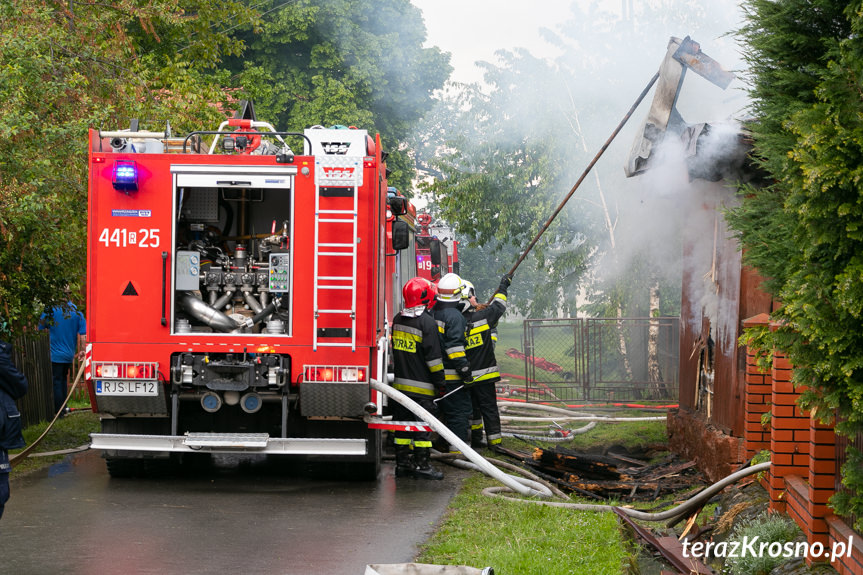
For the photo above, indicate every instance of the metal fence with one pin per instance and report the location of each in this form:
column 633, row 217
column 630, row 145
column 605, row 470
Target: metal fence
column 601, row 359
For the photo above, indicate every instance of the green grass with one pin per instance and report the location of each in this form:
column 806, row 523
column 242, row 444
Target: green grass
column 517, row 538
column 69, row 432
column 634, row 435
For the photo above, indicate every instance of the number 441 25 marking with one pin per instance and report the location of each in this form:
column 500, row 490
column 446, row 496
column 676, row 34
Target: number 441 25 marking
column 121, row 237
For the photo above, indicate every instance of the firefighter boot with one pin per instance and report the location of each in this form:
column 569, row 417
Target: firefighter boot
column 404, row 461
column 424, row 470
column 477, row 438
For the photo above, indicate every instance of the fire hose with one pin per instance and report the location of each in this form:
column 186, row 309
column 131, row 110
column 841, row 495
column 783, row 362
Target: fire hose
column 19, row 457
column 517, row 484
column 690, row 504
column 535, row 488
column 560, row 434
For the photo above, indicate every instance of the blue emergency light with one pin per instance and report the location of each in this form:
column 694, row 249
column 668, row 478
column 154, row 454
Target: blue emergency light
column 125, row 176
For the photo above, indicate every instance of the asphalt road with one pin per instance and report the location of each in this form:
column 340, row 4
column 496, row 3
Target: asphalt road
column 233, row 517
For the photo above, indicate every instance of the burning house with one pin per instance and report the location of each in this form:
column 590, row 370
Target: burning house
column 718, row 291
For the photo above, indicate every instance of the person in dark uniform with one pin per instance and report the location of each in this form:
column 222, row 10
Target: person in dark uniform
column 419, row 374
column 481, row 327
column 455, row 405
column 13, row 385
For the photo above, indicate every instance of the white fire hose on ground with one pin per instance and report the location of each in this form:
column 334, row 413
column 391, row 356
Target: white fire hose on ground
column 517, row 484
column 509, row 414
column 533, row 488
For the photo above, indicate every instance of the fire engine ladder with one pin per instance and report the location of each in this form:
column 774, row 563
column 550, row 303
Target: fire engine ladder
column 343, row 173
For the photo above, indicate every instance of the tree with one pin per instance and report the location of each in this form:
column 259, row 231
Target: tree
column 67, row 67
column 328, row 62
column 804, row 231
column 502, row 174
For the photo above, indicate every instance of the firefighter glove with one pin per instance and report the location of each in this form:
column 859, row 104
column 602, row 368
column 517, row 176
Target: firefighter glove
column 466, row 377
column 505, row 282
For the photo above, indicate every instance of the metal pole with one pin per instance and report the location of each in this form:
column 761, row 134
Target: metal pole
column 586, row 171
column 448, row 394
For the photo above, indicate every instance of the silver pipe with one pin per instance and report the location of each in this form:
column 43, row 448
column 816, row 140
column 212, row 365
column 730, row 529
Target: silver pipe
column 201, row 311
column 253, row 302
column 222, row 301
column 133, row 135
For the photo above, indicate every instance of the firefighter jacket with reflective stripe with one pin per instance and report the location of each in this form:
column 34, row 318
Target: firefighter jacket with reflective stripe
column 481, row 326
column 417, row 355
column 451, row 326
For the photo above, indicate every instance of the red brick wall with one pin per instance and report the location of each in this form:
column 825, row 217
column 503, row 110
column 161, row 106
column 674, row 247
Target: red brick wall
column 802, row 476
column 822, row 477
column 758, row 395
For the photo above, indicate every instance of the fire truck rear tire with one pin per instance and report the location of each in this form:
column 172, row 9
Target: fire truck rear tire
column 134, row 464
column 369, row 470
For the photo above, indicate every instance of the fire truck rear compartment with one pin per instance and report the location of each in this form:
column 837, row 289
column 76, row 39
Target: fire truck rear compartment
column 232, row 251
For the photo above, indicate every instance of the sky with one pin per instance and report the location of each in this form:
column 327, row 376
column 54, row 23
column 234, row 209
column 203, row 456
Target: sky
column 472, row 30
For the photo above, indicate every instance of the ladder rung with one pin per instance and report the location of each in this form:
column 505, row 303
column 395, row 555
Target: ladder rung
column 352, row 212
column 335, row 311
column 335, row 287
column 336, row 245
column 345, row 278
column 336, row 221
column 345, row 344
column 335, row 254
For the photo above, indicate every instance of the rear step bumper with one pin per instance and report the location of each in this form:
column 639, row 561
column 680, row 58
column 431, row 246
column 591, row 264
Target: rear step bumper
column 229, row 443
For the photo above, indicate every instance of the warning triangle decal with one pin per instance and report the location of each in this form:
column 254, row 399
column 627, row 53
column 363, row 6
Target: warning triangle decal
column 130, row 290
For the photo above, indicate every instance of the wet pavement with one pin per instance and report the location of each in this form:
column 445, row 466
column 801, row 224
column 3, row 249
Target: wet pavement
column 244, row 518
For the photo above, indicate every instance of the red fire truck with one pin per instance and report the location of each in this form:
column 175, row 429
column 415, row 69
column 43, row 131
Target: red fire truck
column 434, row 258
column 238, row 293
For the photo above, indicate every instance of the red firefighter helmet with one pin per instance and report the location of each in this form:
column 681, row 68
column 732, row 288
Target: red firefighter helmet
column 418, row 291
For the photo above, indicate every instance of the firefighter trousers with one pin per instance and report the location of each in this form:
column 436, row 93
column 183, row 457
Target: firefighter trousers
column 402, row 413
column 484, row 399
column 457, row 409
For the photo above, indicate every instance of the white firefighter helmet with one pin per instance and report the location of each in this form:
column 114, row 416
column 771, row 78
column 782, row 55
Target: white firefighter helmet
column 468, row 291
column 450, row 287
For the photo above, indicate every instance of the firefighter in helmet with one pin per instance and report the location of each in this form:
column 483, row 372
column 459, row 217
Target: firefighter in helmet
column 481, row 327
column 451, row 326
column 418, row 374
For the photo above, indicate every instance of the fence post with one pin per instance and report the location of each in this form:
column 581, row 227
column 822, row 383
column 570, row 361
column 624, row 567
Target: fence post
column 758, row 394
column 789, row 431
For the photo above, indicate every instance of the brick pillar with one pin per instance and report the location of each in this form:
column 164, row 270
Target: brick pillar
column 822, row 478
column 789, row 437
column 757, row 396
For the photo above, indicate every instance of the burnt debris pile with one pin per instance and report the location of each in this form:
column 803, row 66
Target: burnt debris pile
column 617, row 474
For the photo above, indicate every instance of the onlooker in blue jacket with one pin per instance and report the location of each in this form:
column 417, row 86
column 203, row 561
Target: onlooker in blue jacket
column 13, row 385
column 67, row 328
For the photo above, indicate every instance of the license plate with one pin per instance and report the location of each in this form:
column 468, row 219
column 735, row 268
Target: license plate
column 126, row 388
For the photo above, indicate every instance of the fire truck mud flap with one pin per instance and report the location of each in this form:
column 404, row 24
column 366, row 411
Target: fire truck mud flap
column 228, row 443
